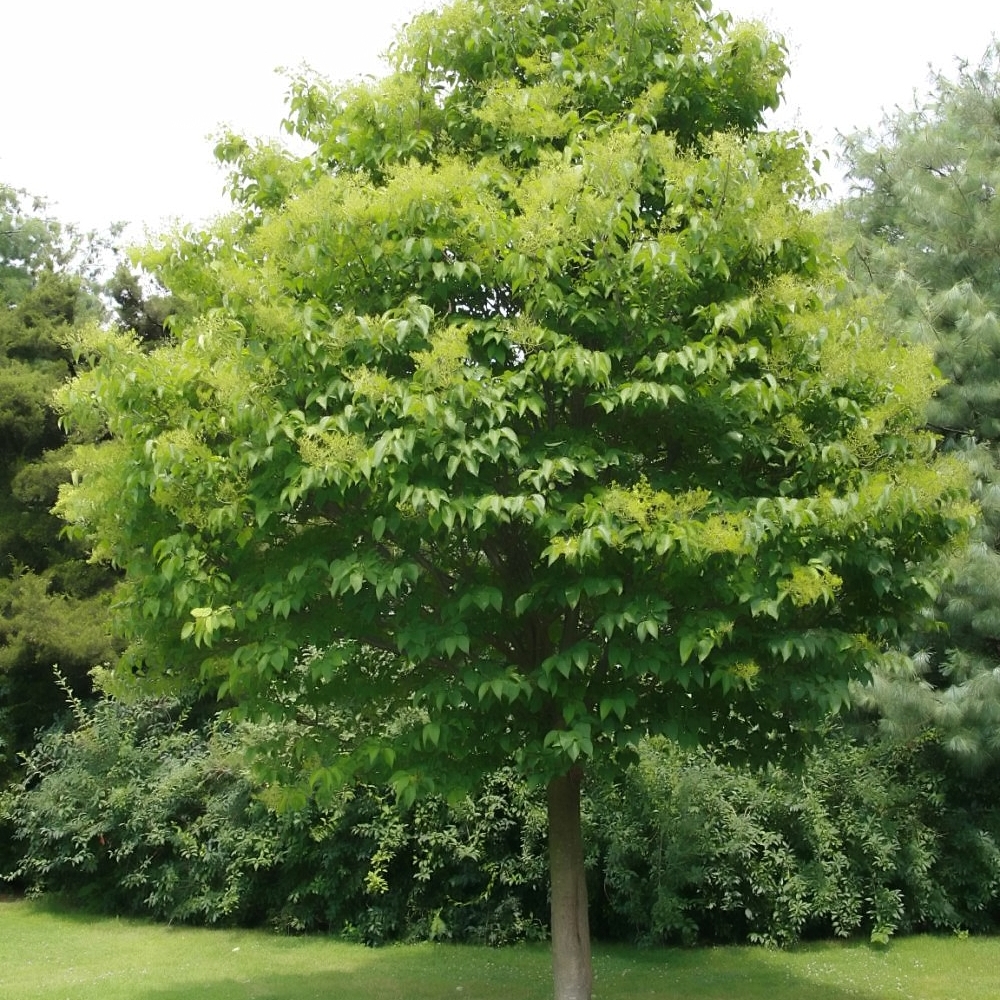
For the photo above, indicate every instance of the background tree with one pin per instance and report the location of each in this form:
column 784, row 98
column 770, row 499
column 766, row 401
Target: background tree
column 146, row 312
column 513, row 418
column 53, row 604
column 926, row 220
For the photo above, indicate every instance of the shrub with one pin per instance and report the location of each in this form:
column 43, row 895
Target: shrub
column 865, row 837
column 138, row 810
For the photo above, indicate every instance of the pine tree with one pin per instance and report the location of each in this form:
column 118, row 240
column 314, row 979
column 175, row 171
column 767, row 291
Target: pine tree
column 928, row 215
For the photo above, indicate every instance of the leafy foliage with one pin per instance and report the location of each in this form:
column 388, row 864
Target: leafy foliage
column 875, row 838
column 31, row 242
column 567, row 429
column 135, row 809
column 143, row 311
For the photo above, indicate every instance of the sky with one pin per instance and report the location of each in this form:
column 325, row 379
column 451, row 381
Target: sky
column 109, row 106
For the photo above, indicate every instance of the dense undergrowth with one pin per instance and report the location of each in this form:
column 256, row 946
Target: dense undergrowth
column 138, row 809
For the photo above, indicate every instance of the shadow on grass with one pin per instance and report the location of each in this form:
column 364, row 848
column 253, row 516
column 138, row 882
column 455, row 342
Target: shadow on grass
column 348, row 986
column 517, row 974
column 390, row 979
column 52, row 953
column 67, row 909
column 721, row 974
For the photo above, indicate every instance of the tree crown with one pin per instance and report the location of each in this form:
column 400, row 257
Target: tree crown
column 525, row 377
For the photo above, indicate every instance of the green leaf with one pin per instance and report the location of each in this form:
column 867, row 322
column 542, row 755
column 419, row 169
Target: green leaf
column 648, row 627
column 522, row 603
column 688, row 644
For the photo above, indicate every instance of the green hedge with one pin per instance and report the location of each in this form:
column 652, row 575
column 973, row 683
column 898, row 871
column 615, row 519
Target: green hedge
column 868, row 838
column 136, row 809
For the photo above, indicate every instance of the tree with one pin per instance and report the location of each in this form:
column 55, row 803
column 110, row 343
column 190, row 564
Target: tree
column 926, row 220
column 30, row 242
column 53, row 605
column 141, row 310
column 515, row 419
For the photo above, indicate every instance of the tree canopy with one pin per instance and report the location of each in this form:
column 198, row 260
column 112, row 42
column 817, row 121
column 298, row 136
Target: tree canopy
column 517, row 419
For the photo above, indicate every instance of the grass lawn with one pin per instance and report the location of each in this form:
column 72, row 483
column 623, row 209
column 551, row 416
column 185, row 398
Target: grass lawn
column 47, row 953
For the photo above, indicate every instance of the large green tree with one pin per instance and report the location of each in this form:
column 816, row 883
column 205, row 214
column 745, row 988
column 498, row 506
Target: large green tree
column 925, row 221
column 514, row 419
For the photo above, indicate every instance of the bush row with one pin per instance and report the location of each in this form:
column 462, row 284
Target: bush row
column 135, row 809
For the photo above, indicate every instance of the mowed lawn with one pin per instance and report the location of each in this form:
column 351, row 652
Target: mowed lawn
column 48, row 953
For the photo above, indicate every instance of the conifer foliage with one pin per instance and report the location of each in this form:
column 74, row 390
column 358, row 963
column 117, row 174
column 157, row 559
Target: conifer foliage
column 928, row 218
column 514, row 420
column 52, row 609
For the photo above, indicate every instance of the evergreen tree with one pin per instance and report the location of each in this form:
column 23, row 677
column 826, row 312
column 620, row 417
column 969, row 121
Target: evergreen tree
column 53, row 603
column 927, row 214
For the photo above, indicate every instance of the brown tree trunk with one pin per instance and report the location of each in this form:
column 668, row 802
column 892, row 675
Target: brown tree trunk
column 571, row 968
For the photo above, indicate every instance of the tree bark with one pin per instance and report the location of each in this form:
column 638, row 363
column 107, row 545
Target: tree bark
column 571, row 967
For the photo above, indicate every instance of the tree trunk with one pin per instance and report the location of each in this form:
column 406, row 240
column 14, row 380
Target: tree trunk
column 571, row 968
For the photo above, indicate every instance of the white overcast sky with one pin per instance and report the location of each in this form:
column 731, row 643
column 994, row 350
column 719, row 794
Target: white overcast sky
column 106, row 106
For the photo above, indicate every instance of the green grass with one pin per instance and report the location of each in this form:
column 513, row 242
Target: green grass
column 47, row 953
